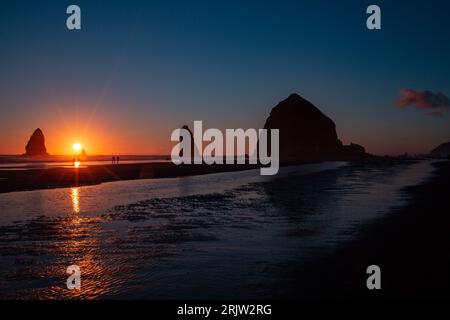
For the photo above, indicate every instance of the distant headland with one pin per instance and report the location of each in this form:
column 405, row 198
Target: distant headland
column 442, row 151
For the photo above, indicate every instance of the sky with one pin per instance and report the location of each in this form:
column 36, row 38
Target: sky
column 139, row 69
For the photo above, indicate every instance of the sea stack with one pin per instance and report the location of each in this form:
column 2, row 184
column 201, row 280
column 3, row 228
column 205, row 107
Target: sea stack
column 306, row 133
column 185, row 127
column 36, row 144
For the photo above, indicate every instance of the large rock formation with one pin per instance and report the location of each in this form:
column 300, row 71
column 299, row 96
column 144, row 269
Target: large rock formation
column 306, row 133
column 442, row 151
column 36, row 144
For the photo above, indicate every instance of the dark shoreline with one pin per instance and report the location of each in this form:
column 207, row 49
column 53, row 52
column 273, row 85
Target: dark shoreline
column 51, row 178
column 411, row 246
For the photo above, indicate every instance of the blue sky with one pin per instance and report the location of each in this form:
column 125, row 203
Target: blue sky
column 139, row 69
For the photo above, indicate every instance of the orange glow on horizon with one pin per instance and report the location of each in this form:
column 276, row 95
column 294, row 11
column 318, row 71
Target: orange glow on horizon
column 99, row 131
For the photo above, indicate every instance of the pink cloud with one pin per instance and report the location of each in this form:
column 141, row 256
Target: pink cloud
column 423, row 99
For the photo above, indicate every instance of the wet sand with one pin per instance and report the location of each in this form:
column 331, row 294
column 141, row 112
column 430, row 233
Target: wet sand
column 18, row 179
column 302, row 235
column 411, row 246
column 22, row 180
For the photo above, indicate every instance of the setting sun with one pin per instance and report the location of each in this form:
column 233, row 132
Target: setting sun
column 76, row 146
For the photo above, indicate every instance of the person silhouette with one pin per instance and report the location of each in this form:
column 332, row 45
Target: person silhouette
column 117, row 159
column 113, row 159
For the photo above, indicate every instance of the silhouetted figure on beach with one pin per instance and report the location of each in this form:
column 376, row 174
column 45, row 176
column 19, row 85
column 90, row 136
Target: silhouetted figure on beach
column 113, row 160
column 117, row 159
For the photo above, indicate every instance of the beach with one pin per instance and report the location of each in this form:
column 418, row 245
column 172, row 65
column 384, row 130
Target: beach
column 70, row 176
column 410, row 246
column 310, row 232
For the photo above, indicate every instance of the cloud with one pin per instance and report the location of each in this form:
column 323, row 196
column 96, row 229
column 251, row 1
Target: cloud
column 423, row 99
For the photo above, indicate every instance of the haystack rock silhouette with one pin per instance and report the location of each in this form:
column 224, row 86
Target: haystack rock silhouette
column 307, row 134
column 36, row 144
column 442, row 151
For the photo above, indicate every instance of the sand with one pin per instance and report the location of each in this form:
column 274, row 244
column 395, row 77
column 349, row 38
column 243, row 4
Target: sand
column 21, row 180
column 411, row 246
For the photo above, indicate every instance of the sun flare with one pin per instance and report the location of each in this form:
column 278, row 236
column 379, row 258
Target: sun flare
column 76, row 147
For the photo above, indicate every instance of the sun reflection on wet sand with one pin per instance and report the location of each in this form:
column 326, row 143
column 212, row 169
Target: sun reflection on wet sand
column 78, row 241
column 75, row 196
column 80, row 244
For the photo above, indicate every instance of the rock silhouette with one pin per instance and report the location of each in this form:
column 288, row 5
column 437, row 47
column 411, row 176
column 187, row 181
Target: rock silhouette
column 36, row 144
column 83, row 155
column 352, row 150
column 306, row 133
column 442, row 151
column 193, row 146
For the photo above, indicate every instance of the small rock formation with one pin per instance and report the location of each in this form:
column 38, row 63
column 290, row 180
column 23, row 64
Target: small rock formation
column 83, row 156
column 192, row 142
column 442, row 151
column 36, row 144
column 307, row 134
column 353, row 150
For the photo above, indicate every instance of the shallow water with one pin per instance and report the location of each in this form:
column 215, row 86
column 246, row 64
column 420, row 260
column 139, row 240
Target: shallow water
column 224, row 235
